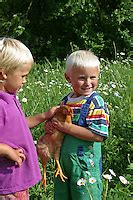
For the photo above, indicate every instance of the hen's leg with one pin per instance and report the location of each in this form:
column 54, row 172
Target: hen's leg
column 43, row 182
column 59, row 171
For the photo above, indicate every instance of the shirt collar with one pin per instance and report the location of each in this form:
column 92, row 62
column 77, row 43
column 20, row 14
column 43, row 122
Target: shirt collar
column 7, row 96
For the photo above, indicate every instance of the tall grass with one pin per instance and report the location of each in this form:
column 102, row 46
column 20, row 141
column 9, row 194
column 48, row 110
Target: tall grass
column 45, row 88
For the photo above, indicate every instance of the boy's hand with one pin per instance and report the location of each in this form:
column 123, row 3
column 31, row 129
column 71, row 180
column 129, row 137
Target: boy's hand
column 61, row 126
column 19, row 157
column 50, row 113
column 48, row 127
column 16, row 155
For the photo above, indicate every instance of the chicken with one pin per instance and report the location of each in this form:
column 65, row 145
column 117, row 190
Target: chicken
column 49, row 145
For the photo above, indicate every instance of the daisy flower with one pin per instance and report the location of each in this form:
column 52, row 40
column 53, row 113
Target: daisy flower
column 92, row 180
column 24, row 100
column 81, row 182
column 107, row 176
column 123, row 180
column 112, row 172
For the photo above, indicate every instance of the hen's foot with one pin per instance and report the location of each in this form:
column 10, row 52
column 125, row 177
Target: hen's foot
column 43, row 181
column 43, row 184
column 60, row 173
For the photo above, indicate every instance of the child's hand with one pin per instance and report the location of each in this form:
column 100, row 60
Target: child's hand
column 16, row 155
column 61, row 126
column 50, row 113
column 48, row 127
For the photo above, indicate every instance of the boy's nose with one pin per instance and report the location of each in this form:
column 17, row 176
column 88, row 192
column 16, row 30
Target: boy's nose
column 88, row 81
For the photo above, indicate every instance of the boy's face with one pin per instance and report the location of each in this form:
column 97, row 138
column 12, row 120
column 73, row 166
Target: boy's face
column 83, row 80
column 16, row 79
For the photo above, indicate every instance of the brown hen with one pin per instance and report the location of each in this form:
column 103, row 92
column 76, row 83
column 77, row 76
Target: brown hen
column 49, row 145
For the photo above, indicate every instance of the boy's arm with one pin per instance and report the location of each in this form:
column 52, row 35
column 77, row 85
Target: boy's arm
column 39, row 118
column 77, row 131
column 35, row 120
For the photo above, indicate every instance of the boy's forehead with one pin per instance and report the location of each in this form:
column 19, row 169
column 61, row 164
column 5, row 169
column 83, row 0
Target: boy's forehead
column 85, row 69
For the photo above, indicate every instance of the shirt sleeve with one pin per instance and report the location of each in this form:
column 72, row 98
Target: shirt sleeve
column 98, row 117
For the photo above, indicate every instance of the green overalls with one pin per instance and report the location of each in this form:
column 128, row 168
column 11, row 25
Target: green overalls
column 80, row 162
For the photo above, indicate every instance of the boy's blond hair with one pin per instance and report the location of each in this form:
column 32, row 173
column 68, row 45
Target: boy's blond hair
column 13, row 54
column 82, row 58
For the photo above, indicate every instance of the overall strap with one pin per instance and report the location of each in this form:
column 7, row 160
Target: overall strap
column 84, row 110
column 82, row 122
column 65, row 98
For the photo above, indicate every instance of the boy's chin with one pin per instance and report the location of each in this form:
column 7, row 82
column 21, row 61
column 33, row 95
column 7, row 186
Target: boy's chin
column 87, row 93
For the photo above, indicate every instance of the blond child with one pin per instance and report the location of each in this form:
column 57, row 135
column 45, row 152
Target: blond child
column 80, row 156
column 19, row 169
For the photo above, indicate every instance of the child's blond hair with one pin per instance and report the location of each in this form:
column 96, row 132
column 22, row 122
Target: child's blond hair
column 13, row 54
column 82, row 58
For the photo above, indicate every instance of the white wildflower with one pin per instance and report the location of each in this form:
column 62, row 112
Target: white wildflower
column 112, row 172
column 105, row 87
column 101, row 59
column 45, row 70
column 123, row 180
column 81, row 182
column 17, row 97
column 92, row 180
column 117, row 94
column 100, row 84
column 21, row 90
column 105, row 93
column 114, row 62
column 35, row 142
column 113, row 85
column 68, row 85
column 88, row 173
column 24, row 100
column 107, row 176
column 122, row 53
column 106, row 68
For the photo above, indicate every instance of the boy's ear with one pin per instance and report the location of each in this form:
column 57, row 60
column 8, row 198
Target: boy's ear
column 3, row 74
column 67, row 78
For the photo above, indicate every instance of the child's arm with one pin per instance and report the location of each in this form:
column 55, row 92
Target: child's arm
column 16, row 155
column 77, row 131
column 39, row 118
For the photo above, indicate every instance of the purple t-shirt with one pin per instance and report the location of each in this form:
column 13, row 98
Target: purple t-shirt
column 14, row 131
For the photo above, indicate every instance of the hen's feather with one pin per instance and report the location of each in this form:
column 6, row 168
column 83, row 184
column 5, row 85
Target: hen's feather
column 49, row 145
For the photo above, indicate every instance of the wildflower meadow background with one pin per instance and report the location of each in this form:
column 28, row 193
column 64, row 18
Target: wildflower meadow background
column 53, row 29
column 46, row 86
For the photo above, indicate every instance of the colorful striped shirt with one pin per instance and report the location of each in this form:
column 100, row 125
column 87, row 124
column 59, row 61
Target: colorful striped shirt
column 97, row 119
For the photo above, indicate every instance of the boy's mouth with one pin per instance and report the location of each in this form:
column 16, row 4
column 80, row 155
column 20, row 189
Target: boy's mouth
column 87, row 88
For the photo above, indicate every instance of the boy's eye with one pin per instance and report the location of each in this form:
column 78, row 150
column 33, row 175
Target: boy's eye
column 81, row 77
column 93, row 77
